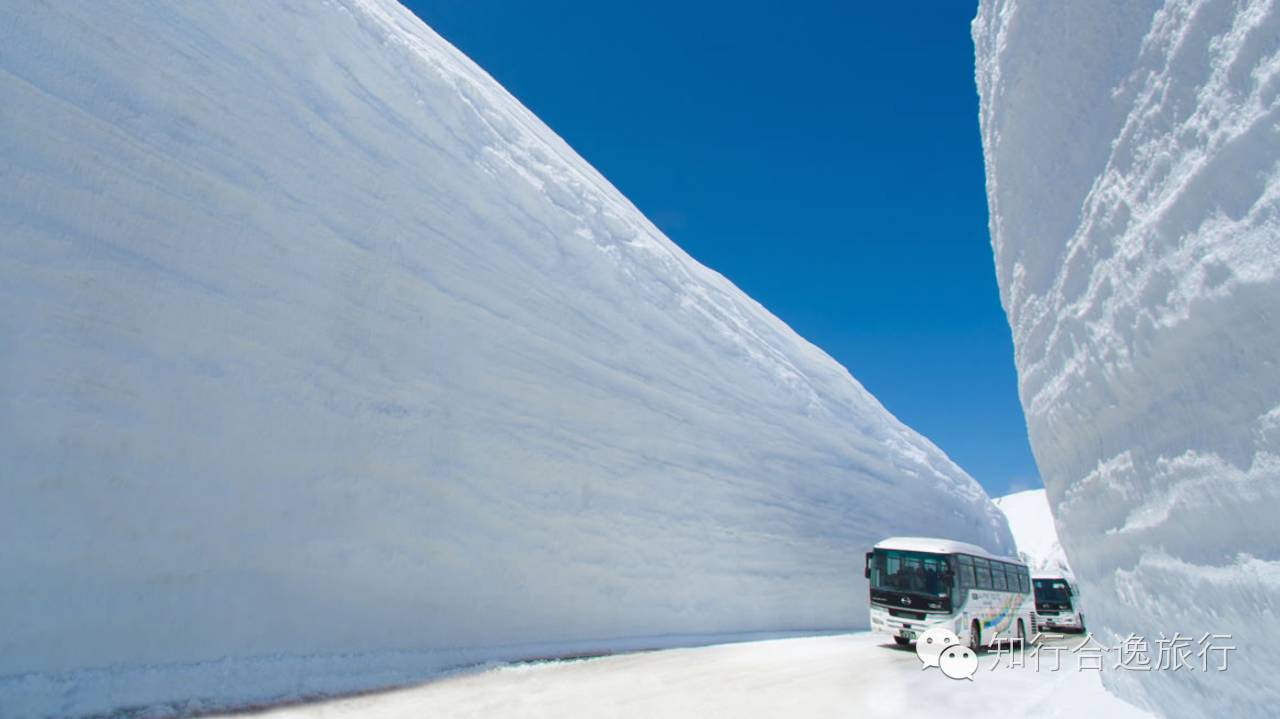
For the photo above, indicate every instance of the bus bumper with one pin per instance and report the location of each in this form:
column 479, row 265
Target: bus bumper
column 882, row 622
column 1063, row 622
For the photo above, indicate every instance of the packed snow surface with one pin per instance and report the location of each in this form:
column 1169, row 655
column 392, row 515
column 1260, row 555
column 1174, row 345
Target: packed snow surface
column 325, row 364
column 811, row 678
column 1133, row 177
column 1031, row 522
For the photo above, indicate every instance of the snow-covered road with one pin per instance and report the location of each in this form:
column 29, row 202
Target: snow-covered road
column 831, row 676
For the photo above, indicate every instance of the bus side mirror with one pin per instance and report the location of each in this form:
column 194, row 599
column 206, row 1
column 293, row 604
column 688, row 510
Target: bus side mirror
column 866, row 570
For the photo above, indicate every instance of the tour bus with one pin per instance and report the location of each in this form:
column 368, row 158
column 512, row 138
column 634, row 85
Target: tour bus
column 1057, row 604
column 918, row 583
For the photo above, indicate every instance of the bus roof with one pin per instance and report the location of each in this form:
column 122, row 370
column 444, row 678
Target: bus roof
column 940, row 546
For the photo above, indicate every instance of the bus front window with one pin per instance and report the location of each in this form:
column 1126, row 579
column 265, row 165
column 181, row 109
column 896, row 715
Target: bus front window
column 915, row 572
column 1052, row 590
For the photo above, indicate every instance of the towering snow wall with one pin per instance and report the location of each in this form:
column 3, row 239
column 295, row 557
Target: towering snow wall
column 324, row 363
column 1133, row 176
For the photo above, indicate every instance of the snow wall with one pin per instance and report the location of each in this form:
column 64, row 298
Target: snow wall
column 1031, row 522
column 324, row 364
column 1133, row 177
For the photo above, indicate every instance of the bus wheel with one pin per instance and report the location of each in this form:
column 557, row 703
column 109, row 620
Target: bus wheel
column 901, row 641
column 1081, row 618
column 975, row 637
column 1022, row 634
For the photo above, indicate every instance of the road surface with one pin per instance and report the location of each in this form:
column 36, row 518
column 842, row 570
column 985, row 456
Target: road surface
column 830, row 676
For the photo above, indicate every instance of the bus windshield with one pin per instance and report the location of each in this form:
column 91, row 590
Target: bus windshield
column 1052, row 590
column 918, row 572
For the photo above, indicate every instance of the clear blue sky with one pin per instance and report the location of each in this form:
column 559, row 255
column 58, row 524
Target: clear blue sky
column 824, row 156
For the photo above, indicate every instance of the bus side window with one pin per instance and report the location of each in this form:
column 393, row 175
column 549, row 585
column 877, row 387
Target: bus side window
column 967, row 580
column 998, row 577
column 1011, row 577
column 983, row 569
column 1025, row 579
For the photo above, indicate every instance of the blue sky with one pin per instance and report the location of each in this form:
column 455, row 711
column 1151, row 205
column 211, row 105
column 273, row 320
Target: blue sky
column 824, row 156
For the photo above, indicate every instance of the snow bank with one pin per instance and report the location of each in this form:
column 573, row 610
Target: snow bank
column 1133, row 177
column 1031, row 522
column 317, row 346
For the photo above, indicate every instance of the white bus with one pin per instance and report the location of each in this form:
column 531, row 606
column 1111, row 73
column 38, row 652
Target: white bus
column 1057, row 604
column 918, row 583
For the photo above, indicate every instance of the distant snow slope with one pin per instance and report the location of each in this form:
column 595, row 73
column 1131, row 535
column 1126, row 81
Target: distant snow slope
column 316, row 344
column 1133, row 177
column 1031, row 522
